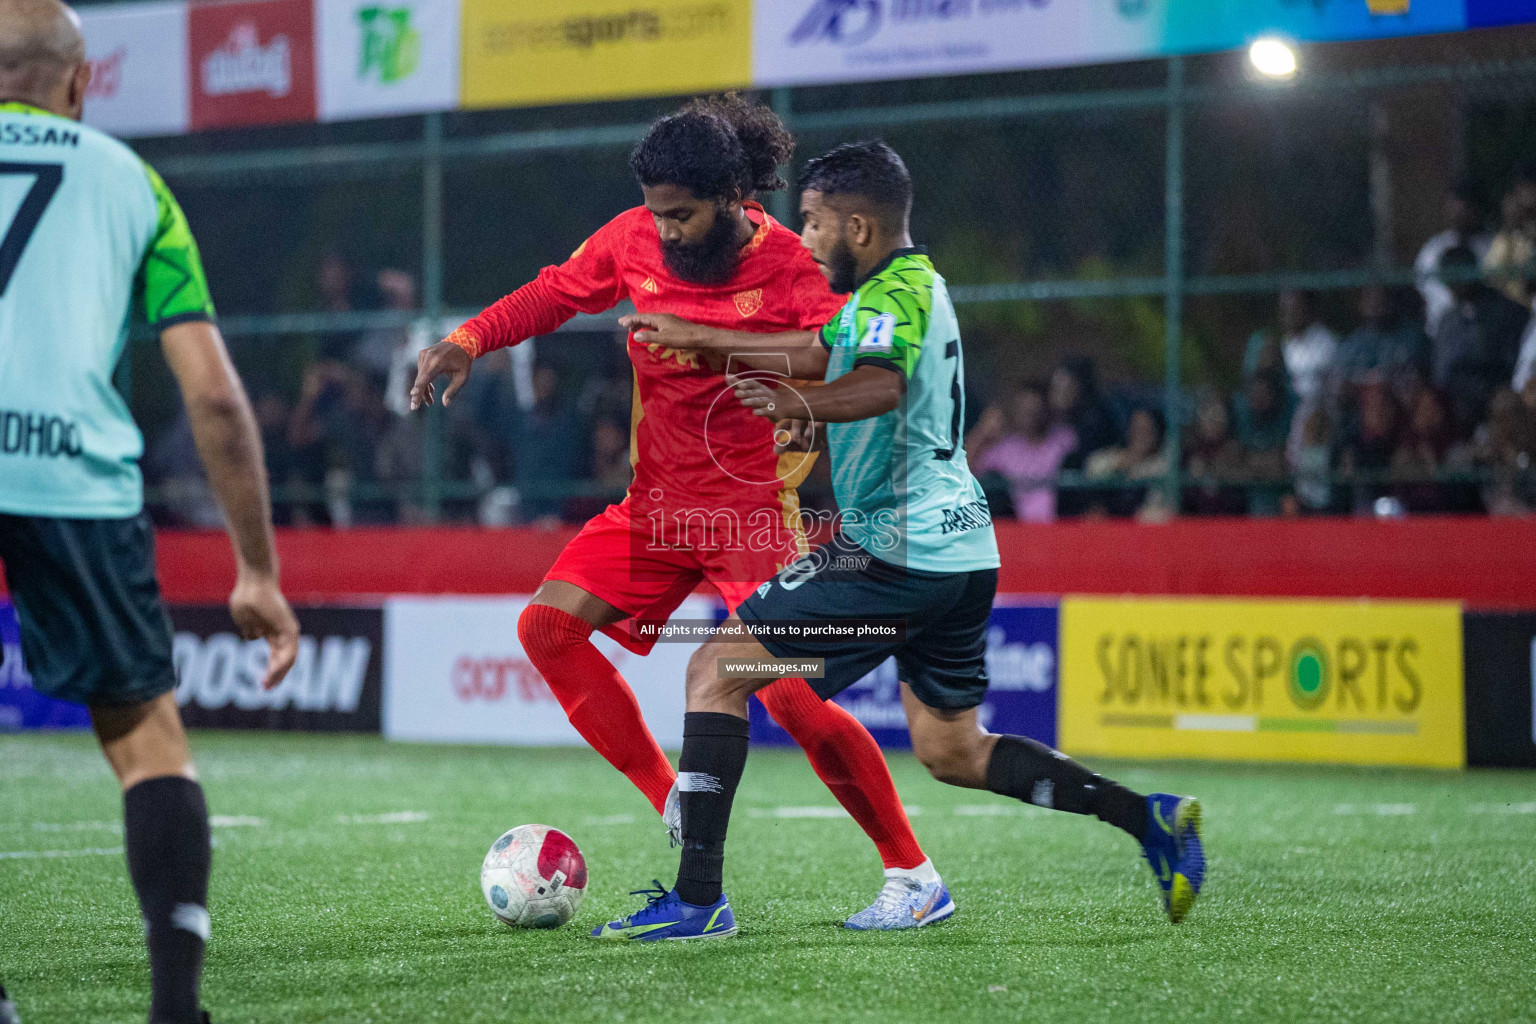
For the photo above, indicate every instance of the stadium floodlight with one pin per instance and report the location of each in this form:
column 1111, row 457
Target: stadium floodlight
column 1273, row 57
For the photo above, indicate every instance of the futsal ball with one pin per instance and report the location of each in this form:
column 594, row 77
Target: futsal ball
column 534, row 877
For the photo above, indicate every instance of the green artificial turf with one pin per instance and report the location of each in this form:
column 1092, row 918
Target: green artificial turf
column 1333, row 895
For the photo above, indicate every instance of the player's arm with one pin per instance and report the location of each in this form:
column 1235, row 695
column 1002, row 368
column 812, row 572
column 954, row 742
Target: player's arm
column 588, row 282
column 890, row 324
column 174, row 294
column 859, row 394
column 807, row 357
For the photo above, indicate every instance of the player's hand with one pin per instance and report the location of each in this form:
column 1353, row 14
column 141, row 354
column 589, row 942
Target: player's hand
column 770, row 403
column 667, row 330
column 261, row 612
column 433, row 362
column 795, row 436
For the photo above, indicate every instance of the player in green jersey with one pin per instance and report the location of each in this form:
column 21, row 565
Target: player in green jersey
column 914, row 547
column 91, row 234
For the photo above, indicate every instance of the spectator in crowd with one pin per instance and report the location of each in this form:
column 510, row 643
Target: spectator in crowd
column 1213, row 458
column 1312, row 463
column 334, row 435
column 546, row 443
column 1074, row 401
column 611, row 468
column 1475, row 343
column 338, row 294
column 1142, row 458
column 1022, row 445
column 1371, row 445
column 1463, row 227
column 1505, row 447
column 173, row 468
column 1385, row 347
column 379, row 352
column 1422, row 453
column 272, row 416
column 1510, row 254
column 1308, row 347
column 1264, row 413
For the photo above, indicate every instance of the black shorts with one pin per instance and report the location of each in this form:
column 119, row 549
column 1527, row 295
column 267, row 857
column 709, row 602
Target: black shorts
column 943, row 653
column 93, row 629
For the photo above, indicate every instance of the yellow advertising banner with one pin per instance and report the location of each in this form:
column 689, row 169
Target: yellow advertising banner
column 560, row 51
column 1346, row 682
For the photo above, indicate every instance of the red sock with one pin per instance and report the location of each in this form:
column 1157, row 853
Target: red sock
column 848, row 760
column 595, row 697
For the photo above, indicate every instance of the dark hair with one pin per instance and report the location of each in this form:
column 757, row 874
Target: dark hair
column 870, row 170
column 717, row 147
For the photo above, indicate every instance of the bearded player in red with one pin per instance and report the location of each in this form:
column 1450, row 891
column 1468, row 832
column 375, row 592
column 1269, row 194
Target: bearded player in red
column 712, row 499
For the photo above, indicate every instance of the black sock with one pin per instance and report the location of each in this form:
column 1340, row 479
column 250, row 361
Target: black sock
column 165, row 828
column 714, row 754
column 1036, row 774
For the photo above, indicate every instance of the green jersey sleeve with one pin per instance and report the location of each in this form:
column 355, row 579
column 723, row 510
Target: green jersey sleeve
column 892, row 319
column 171, row 286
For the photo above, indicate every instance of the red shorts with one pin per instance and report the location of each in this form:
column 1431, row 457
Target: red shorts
column 615, row 558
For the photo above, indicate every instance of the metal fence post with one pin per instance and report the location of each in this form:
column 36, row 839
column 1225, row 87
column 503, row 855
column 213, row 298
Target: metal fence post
column 779, row 204
column 1173, row 275
column 432, row 302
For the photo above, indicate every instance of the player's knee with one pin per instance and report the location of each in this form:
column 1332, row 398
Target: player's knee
column 705, row 686
column 548, row 633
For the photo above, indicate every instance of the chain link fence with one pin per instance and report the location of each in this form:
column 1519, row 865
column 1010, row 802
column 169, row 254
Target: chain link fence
column 1170, row 259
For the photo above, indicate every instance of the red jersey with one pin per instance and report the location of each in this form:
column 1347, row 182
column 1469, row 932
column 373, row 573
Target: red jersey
column 693, row 446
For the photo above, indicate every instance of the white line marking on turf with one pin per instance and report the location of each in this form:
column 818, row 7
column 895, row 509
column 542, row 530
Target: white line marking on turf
column 1526, row 808
column 1381, row 810
column 984, row 810
column 104, row 851
column 77, row 826
column 818, row 811
column 612, row 819
column 236, row 821
column 798, row 812
column 392, row 818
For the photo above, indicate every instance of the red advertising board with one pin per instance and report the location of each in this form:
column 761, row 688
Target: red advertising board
column 251, row 63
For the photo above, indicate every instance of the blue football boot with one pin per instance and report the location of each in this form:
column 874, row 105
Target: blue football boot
column 1174, row 851
column 666, row 916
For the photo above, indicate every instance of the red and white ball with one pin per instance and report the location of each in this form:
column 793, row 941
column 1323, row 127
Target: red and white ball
column 534, row 877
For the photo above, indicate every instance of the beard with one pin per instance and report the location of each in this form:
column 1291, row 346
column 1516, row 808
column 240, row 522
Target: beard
column 844, row 268
column 711, row 260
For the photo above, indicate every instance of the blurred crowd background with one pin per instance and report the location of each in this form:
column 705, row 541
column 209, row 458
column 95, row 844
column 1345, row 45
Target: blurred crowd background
column 1356, row 328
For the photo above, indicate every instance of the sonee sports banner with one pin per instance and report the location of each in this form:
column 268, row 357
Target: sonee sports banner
column 1346, row 682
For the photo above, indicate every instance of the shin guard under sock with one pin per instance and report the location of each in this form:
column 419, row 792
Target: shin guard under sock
column 165, row 830
column 1036, row 774
column 714, row 754
column 596, row 699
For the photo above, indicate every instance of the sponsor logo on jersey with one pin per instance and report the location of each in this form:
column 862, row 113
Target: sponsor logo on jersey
column 970, row 516
column 106, row 75
column 748, row 303
column 243, row 64
column 649, row 284
column 38, row 434
column 13, row 134
column 391, row 45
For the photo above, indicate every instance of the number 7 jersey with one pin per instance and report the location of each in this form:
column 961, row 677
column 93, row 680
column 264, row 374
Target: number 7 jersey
column 904, row 491
column 90, row 233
